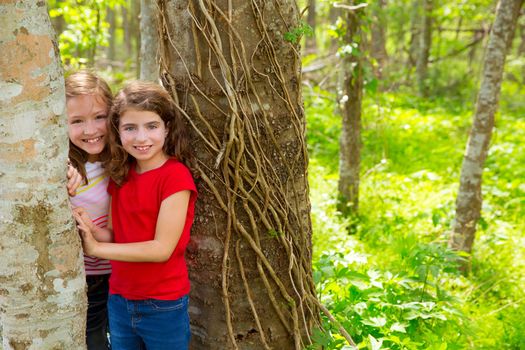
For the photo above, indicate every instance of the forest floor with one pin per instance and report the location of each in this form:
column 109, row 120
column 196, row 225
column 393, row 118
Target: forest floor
column 387, row 274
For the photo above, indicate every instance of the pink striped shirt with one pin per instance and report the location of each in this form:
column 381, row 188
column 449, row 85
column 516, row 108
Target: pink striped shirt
column 95, row 199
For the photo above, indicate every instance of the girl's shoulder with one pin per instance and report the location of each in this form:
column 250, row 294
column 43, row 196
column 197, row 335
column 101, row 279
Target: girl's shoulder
column 173, row 164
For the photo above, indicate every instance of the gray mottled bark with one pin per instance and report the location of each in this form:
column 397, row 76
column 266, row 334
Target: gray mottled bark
column 149, row 41
column 469, row 199
column 42, row 295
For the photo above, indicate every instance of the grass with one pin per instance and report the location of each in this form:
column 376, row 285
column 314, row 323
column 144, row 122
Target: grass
column 394, row 283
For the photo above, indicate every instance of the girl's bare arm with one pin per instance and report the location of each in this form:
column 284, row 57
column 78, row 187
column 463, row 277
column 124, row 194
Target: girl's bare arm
column 170, row 224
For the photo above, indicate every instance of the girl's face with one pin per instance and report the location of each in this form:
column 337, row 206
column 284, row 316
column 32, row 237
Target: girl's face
column 86, row 121
column 142, row 134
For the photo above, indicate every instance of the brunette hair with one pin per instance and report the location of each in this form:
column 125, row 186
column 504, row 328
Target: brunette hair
column 151, row 97
column 82, row 83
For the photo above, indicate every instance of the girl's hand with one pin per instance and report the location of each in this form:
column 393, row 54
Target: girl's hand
column 82, row 217
column 85, row 225
column 74, row 179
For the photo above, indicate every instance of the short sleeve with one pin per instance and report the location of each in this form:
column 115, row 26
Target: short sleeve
column 178, row 178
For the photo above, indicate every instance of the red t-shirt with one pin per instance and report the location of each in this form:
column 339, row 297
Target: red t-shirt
column 134, row 208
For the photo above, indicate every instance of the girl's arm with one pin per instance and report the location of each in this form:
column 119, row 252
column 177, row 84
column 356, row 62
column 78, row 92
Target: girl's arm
column 99, row 234
column 170, row 224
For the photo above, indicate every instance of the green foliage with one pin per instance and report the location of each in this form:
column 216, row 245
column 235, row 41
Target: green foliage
column 394, row 310
column 85, row 28
column 303, row 29
column 394, row 284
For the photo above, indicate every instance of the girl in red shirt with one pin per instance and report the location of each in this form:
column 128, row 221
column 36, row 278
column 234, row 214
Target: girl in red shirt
column 152, row 206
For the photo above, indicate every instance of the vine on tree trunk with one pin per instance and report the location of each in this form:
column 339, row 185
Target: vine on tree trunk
column 252, row 182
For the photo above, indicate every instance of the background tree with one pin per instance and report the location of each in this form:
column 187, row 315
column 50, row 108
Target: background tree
column 234, row 68
column 149, row 43
column 378, row 29
column 42, row 296
column 425, row 43
column 468, row 202
column 311, row 19
column 351, row 98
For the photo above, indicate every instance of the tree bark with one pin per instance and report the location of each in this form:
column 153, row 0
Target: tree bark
column 126, row 27
column 310, row 41
column 415, row 33
column 238, row 82
column 111, row 50
column 424, row 48
column 469, row 199
column 350, row 141
column 378, row 37
column 149, row 41
column 42, row 296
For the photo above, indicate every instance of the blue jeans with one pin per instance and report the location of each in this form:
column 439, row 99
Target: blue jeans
column 148, row 324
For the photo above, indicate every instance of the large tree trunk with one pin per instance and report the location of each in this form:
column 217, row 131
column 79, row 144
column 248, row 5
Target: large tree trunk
column 42, row 296
column 239, row 83
column 350, row 142
column 149, row 41
column 468, row 202
column 425, row 43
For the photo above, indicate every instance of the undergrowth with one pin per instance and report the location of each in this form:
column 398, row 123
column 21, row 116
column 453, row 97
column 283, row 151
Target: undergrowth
column 393, row 284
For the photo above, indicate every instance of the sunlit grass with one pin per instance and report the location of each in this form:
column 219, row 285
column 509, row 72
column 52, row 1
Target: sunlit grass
column 411, row 160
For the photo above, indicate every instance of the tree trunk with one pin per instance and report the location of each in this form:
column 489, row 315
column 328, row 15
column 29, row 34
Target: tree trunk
column 58, row 22
column 350, row 142
column 238, row 82
column 310, row 41
column 110, row 17
column 135, row 34
column 333, row 15
column 42, row 296
column 149, row 41
column 415, row 33
column 468, row 202
column 126, row 28
column 424, row 48
column 378, row 37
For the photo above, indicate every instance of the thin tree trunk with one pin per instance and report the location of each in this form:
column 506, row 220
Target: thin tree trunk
column 333, row 15
column 468, row 202
column 110, row 17
column 311, row 42
column 42, row 296
column 135, row 34
column 127, row 30
column 59, row 24
column 378, row 37
column 239, row 82
column 415, row 33
column 149, row 41
column 424, row 48
column 350, row 142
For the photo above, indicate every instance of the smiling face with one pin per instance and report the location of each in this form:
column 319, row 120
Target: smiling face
column 142, row 134
column 86, row 120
